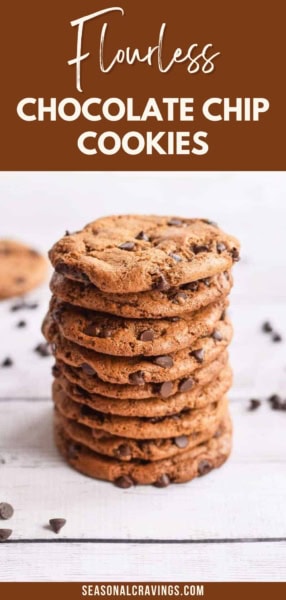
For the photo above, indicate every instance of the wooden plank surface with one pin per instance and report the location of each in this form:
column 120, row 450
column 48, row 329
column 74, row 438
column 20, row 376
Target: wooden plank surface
column 228, row 526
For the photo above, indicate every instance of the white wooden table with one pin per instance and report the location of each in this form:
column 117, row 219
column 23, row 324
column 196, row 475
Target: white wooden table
column 230, row 525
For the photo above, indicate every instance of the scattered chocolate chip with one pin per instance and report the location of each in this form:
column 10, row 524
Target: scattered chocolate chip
column 198, row 355
column 216, row 335
column 197, row 249
column 192, row 286
column 235, row 255
column 175, row 223
column 204, row 467
column 127, row 246
column 254, row 404
column 142, row 236
column 6, row 510
column 164, row 361
column 21, row 324
column 161, row 284
column 95, row 330
column 164, row 389
column 223, row 315
column 137, row 378
column 220, row 247
column 7, row 362
column 163, row 481
column 32, row 305
column 176, row 257
column 5, row 534
column 147, row 335
column 57, row 524
column 124, row 482
column 18, row 306
column 267, row 327
column 43, row 349
column 87, row 369
column 123, row 451
column 277, row 402
column 186, row 384
column 67, row 233
column 226, row 274
column 181, row 441
column 276, row 337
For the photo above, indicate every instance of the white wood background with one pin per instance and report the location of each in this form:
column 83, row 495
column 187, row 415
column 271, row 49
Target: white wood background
column 230, row 525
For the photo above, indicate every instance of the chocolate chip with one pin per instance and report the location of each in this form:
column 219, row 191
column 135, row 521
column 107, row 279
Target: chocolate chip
column 276, row 402
column 124, row 482
column 209, row 222
column 216, row 335
column 87, row 369
column 175, row 223
column 197, row 249
column 176, row 257
column 267, row 327
column 182, row 441
column 254, row 404
column 218, row 432
column 165, row 389
column 198, row 355
column 74, row 450
column 43, row 349
column 164, row 361
column 21, row 324
column 180, row 298
column 5, row 534
column 163, row 481
column 56, row 371
column 7, row 362
column 123, row 451
column 223, row 315
column 57, row 524
column 206, row 281
column 276, row 337
column 204, row 467
column 192, row 286
column 220, row 247
column 6, row 510
column 161, row 284
column 186, row 384
column 147, row 335
column 127, row 246
column 87, row 411
column 71, row 271
column 18, row 306
column 142, row 236
column 137, row 378
column 95, row 330
column 235, row 255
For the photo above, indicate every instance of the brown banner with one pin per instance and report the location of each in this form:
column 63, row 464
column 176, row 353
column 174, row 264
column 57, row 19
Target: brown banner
column 156, row 590
column 142, row 85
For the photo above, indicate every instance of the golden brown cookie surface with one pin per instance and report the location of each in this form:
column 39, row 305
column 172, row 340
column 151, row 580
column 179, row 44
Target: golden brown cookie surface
column 21, row 269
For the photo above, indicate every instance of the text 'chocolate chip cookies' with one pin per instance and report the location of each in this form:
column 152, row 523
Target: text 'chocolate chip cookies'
column 139, row 330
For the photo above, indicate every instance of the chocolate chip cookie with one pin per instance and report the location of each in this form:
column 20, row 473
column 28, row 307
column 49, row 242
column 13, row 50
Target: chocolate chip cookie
column 140, row 370
column 130, row 449
column 194, row 462
column 135, row 253
column 21, row 269
column 184, row 422
column 154, row 304
column 132, row 337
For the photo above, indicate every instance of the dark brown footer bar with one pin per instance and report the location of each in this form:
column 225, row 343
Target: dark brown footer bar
column 79, row 591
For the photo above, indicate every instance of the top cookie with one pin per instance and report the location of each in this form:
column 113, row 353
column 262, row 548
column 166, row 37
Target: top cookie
column 129, row 253
column 21, row 269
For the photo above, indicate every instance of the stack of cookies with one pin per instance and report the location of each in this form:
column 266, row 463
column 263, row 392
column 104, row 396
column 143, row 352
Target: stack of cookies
column 139, row 331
